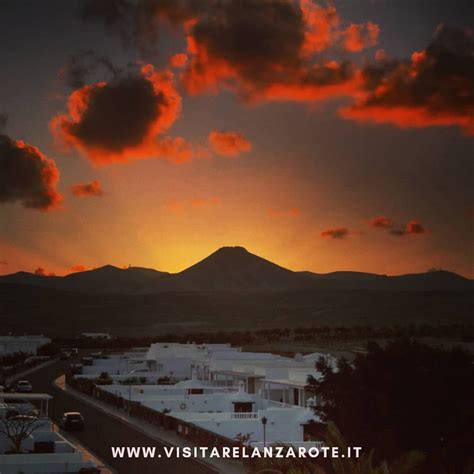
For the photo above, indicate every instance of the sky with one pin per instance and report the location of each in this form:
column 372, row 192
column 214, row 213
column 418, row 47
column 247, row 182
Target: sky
column 322, row 136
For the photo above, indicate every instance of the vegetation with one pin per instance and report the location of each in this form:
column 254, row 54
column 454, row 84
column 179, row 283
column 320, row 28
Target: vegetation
column 17, row 429
column 327, row 333
column 402, row 397
column 176, row 312
column 103, row 379
column 407, row 463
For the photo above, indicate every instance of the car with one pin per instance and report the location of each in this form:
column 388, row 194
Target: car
column 72, row 420
column 23, row 386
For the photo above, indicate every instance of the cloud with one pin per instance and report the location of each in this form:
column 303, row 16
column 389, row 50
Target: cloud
column 413, row 227
column 434, row 87
column 93, row 188
column 382, row 222
column 360, row 36
column 290, row 212
column 230, row 144
column 27, row 176
column 263, row 50
column 78, row 268
column 182, row 205
column 336, row 233
column 137, row 22
column 178, row 60
column 42, row 272
column 79, row 65
column 120, row 120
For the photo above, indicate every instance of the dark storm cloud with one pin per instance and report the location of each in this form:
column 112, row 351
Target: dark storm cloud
column 79, row 65
column 27, row 176
column 260, row 48
column 264, row 50
column 434, row 87
column 103, row 124
column 112, row 121
column 253, row 35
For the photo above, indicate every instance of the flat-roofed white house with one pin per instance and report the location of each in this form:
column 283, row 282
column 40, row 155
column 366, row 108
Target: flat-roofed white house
column 217, row 389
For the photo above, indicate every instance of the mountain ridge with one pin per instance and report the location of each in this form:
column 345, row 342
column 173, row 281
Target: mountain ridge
column 235, row 269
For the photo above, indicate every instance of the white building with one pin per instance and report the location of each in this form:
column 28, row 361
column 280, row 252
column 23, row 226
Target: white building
column 220, row 389
column 26, row 344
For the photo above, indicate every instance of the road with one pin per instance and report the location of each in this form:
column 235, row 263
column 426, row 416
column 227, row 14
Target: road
column 103, row 431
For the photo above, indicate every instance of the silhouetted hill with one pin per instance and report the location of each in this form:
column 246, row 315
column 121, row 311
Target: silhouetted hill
column 106, row 279
column 235, row 269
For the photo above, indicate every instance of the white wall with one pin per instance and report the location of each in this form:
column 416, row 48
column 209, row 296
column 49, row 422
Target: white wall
column 282, row 425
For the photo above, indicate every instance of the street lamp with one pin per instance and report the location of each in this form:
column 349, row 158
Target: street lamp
column 129, row 372
column 264, row 423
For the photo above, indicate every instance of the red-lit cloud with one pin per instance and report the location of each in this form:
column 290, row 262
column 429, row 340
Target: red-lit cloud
column 230, row 144
column 336, row 233
column 357, row 37
column 413, row 227
column 27, row 176
column 78, row 268
column 93, row 188
column 261, row 49
column 382, row 222
column 290, row 212
column 178, row 60
column 434, row 87
column 181, row 205
column 123, row 119
column 229, row 47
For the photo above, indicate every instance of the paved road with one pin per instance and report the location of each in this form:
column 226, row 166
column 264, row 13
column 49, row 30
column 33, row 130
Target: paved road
column 103, row 431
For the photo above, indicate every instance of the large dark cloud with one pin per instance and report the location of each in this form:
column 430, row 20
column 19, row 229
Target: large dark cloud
column 120, row 119
column 434, row 87
column 27, row 175
column 262, row 49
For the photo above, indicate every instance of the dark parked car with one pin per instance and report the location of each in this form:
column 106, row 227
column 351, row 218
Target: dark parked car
column 72, row 420
column 23, row 386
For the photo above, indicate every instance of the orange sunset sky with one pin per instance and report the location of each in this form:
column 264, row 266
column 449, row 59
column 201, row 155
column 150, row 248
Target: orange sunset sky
column 322, row 136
